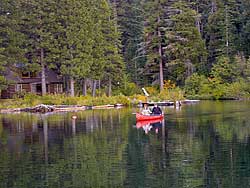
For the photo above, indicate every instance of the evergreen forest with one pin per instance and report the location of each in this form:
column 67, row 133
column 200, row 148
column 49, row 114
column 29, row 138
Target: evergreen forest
column 199, row 47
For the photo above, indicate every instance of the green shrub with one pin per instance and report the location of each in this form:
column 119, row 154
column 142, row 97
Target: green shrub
column 238, row 90
column 176, row 94
column 194, row 84
column 31, row 99
column 219, row 91
column 225, row 70
column 164, row 95
column 129, row 89
column 153, row 91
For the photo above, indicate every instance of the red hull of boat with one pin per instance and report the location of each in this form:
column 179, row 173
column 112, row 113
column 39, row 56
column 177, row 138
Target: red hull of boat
column 140, row 117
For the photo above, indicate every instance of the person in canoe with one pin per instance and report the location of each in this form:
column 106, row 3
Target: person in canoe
column 146, row 111
column 156, row 110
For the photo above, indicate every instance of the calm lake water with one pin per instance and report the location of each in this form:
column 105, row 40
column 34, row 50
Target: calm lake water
column 201, row 145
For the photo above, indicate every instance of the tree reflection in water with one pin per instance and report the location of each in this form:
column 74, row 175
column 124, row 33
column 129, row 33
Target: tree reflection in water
column 204, row 145
column 53, row 151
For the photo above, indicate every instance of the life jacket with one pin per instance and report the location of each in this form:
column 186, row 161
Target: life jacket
column 156, row 110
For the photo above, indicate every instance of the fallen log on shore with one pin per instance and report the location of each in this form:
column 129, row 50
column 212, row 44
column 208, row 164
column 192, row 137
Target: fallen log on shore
column 13, row 110
column 42, row 108
column 108, row 106
column 69, row 108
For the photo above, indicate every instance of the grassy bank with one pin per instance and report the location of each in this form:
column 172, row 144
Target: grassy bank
column 30, row 100
column 219, row 96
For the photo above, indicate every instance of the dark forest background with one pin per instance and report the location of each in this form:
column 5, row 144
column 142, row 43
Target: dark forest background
column 200, row 46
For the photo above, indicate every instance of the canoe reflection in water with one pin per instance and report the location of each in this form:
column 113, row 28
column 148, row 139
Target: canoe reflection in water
column 150, row 125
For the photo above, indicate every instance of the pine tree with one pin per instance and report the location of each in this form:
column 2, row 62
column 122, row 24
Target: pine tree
column 232, row 21
column 157, row 23
column 176, row 32
column 185, row 48
column 3, row 35
column 101, row 31
column 216, row 31
column 73, row 39
column 245, row 32
column 224, row 70
column 9, row 35
column 223, row 29
column 114, row 65
column 11, row 39
column 130, row 20
column 203, row 8
column 35, row 23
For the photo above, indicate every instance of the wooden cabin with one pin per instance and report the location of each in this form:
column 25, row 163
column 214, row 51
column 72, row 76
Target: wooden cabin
column 30, row 82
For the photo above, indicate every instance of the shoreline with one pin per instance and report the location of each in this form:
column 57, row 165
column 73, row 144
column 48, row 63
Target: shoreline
column 41, row 108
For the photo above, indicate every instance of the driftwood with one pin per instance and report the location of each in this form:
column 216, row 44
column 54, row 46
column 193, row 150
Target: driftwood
column 48, row 108
column 41, row 108
column 103, row 106
column 69, row 108
column 13, row 110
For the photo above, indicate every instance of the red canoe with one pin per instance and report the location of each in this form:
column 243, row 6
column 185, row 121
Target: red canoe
column 140, row 117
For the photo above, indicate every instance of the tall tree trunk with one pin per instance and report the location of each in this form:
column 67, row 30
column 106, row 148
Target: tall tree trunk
column 84, row 87
column 43, row 72
column 198, row 20
column 160, row 55
column 213, row 7
column 99, row 87
column 110, row 88
column 227, row 31
column 115, row 15
column 93, row 88
column 72, row 88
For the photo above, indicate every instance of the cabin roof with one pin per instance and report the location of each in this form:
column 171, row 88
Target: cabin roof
column 51, row 77
column 12, row 76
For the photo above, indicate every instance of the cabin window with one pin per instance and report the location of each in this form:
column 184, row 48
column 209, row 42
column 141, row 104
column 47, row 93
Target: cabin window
column 29, row 74
column 25, row 74
column 19, row 87
column 33, row 74
column 58, row 88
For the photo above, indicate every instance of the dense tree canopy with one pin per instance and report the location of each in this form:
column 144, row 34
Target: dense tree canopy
column 114, row 42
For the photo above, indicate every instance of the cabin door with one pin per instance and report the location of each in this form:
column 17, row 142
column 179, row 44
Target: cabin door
column 39, row 88
column 33, row 88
